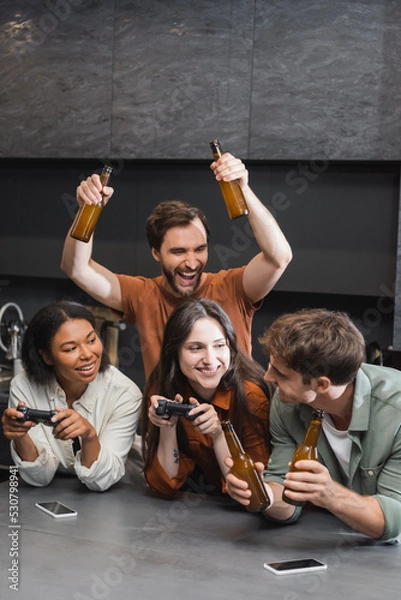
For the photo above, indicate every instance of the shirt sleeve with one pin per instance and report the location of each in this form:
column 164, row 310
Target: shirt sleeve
column 115, row 438
column 283, row 447
column 159, row 481
column 256, row 442
column 131, row 291
column 42, row 470
column 387, row 490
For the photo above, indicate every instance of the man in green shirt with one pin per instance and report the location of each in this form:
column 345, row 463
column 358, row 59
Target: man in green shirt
column 316, row 361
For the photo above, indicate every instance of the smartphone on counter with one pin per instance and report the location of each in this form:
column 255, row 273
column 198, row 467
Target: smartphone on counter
column 56, row 509
column 300, row 565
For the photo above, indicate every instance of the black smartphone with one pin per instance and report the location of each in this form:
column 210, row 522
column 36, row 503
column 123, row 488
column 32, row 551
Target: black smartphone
column 300, row 565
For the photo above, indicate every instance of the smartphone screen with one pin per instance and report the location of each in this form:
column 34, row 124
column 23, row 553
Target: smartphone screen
column 56, row 509
column 302, row 565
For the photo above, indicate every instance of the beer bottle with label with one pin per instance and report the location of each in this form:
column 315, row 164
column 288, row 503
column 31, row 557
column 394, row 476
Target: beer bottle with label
column 88, row 215
column 231, row 190
column 307, row 449
column 244, row 468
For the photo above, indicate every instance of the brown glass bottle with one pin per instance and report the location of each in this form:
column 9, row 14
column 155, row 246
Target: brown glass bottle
column 244, row 468
column 307, row 449
column 88, row 215
column 231, row 190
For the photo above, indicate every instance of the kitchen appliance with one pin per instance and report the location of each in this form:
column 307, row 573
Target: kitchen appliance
column 12, row 327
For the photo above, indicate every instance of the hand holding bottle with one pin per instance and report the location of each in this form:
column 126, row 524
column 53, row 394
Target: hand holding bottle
column 239, row 489
column 312, row 481
column 229, row 168
column 92, row 191
column 94, row 200
column 244, row 469
column 232, row 176
column 306, row 451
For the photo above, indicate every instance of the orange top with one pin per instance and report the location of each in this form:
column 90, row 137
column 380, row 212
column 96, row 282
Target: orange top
column 147, row 304
column 196, row 449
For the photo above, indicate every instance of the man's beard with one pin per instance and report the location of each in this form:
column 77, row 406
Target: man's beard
column 186, row 292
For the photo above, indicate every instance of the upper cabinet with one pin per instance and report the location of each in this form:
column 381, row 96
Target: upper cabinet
column 151, row 79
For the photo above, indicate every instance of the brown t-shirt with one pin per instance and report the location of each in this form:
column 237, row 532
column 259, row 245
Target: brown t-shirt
column 147, row 305
column 196, row 449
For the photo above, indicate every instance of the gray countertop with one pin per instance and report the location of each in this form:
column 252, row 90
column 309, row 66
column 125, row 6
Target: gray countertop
column 126, row 543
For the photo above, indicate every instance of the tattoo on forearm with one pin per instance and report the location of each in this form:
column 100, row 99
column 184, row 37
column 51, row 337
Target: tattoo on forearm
column 176, row 455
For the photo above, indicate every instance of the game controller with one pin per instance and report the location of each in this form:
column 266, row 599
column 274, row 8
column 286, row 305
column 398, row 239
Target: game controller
column 36, row 415
column 168, row 407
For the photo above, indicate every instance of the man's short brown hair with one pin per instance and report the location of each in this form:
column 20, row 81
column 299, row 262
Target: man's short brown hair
column 316, row 342
column 168, row 214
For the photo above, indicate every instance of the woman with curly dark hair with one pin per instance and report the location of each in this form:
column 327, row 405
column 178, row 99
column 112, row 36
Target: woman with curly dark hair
column 66, row 370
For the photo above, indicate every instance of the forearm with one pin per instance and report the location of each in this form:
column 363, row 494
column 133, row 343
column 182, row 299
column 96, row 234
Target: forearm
column 362, row 513
column 221, row 451
column 76, row 257
column 280, row 510
column 269, row 237
column 167, row 451
column 90, row 451
column 26, row 449
column 93, row 278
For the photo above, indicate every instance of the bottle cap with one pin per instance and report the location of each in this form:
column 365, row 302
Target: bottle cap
column 317, row 413
column 215, row 142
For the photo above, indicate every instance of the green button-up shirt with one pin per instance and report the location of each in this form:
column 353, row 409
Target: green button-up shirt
column 375, row 431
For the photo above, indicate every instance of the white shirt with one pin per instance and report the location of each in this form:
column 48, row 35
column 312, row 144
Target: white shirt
column 339, row 441
column 111, row 403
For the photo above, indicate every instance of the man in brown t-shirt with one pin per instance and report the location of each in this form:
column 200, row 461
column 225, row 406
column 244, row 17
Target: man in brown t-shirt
column 178, row 237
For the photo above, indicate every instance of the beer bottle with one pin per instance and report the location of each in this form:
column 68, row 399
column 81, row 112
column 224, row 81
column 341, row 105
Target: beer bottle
column 244, row 469
column 307, row 449
column 88, row 215
column 231, row 190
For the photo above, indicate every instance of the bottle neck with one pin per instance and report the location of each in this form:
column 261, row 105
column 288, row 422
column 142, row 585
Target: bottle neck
column 105, row 175
column 313, row 431
column 233, row 442
column 216, row 149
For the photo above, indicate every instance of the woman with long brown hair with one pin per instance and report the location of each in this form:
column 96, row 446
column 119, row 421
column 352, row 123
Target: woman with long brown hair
column 200, row 364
